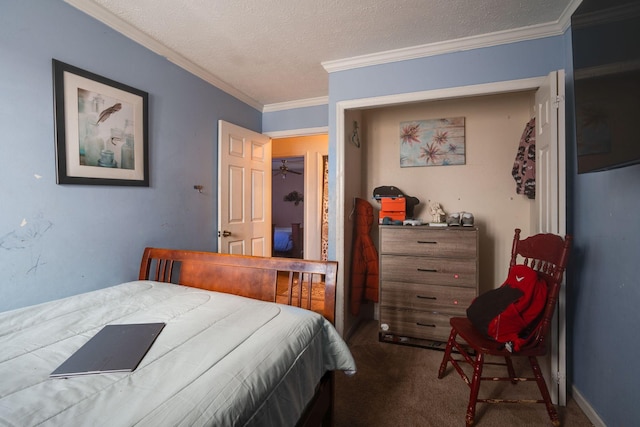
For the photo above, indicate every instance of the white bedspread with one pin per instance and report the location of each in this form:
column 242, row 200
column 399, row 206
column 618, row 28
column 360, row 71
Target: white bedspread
column 221, row 360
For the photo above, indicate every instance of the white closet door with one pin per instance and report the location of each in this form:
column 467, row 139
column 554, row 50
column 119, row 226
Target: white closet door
column 550, row 215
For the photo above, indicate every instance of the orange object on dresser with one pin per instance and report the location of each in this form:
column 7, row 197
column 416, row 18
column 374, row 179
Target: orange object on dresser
column 393, row 208
column 394, row 204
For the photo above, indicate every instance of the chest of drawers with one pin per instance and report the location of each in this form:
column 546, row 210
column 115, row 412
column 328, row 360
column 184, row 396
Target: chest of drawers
column 427, row 275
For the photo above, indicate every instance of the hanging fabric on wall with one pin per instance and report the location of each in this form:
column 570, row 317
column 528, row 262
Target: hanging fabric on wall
column 364, row 260
column 524, row 167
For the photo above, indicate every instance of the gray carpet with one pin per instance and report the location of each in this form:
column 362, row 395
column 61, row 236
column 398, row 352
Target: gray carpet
column 398, row 386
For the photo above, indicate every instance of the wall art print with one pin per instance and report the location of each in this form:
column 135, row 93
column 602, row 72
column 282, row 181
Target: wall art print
column 101, row 129
column 436, row 142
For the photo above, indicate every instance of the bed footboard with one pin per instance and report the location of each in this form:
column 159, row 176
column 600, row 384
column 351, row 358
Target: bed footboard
column 248, row 276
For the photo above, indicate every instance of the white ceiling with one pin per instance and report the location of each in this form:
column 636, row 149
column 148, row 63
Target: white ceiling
column 275, row 52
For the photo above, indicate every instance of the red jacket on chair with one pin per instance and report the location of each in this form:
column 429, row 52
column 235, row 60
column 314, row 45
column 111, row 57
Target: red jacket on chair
column 505, row 314
column 364, row 260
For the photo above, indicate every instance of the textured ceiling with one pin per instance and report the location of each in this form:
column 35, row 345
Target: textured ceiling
column 273, row 51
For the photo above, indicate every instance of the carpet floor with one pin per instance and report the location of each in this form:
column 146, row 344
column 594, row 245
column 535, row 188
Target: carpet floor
column 398, row 386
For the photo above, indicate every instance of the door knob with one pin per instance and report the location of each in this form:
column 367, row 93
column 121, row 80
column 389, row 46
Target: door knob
column 225, row 233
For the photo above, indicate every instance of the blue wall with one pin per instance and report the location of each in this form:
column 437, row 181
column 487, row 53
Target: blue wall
column 59, row 240
column 605, row 293
column 295, row 119
column 603, row 286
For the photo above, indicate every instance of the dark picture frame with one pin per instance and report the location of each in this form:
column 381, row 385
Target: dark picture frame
column 101, row 129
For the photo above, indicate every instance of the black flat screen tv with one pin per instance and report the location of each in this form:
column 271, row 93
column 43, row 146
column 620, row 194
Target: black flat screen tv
column 606, row 62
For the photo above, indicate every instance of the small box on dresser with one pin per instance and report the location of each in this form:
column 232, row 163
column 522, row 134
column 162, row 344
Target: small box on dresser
column 427, row 275
column 393, row 208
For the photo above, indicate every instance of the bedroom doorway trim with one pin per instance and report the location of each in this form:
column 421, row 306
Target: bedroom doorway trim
column 313, row 178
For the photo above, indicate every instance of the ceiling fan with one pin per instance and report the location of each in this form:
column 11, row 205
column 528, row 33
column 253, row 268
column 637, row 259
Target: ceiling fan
column 284, row 170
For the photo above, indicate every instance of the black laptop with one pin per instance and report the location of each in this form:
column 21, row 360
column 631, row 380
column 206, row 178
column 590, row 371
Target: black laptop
column 116, row 348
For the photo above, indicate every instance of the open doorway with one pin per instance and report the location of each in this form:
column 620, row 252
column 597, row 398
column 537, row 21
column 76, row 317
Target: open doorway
column 304, row 154
column 287, row 206
column 352, row 184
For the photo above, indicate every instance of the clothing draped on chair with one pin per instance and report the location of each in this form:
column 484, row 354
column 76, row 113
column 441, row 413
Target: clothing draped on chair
column 364, row 261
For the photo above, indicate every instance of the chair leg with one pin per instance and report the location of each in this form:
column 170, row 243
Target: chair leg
column 512, row 372
column 475, row 388
column 542, row 385
column 447, row 353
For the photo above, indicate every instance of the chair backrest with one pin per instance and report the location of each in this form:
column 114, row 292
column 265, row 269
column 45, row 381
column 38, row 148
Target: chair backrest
column 547, row 254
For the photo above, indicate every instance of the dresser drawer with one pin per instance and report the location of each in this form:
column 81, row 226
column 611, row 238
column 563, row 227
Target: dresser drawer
column 446, row 299
column 415, row 324
column 429, row 271
column 455, row 243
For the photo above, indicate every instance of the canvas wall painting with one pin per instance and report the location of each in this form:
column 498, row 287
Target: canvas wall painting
column 435, row 142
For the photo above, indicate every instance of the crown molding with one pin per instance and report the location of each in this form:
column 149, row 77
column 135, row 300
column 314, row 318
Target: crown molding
column 126, row 29
column 565, row 18
column 466, row 43
column 300, row 103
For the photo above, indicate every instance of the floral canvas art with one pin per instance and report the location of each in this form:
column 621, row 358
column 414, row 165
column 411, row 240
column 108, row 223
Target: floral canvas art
column 437, row 142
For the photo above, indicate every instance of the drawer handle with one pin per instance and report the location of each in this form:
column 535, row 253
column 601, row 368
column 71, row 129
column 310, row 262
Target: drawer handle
column 428, row 270
column 425, row 324
column 423, row 297
column 429, row 242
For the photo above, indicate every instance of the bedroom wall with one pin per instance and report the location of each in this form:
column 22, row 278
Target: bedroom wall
column 276, row 119
column 606, row 292
column 283, row 213
column 59, row 240
column 603, row 284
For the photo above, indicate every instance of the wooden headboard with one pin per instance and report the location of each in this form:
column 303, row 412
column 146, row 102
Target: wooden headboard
column 248, row 276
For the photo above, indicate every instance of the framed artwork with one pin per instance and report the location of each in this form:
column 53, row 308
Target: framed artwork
column 437, row 142
column 101, row 129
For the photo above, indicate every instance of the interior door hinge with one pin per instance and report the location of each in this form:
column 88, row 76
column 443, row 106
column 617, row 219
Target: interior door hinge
column 560, row 377
column 559, row 99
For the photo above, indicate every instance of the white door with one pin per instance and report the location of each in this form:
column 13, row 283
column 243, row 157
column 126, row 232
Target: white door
column 244, row 194
column 550, row 208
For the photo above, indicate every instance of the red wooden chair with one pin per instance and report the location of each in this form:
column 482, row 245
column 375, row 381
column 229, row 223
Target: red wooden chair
column 546, row 253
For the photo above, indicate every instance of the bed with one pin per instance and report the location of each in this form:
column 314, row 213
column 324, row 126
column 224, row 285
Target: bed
column 287, row 241
column 227, row 356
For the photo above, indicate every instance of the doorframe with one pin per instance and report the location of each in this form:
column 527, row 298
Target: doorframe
column 382, row 101
column 312, row 212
